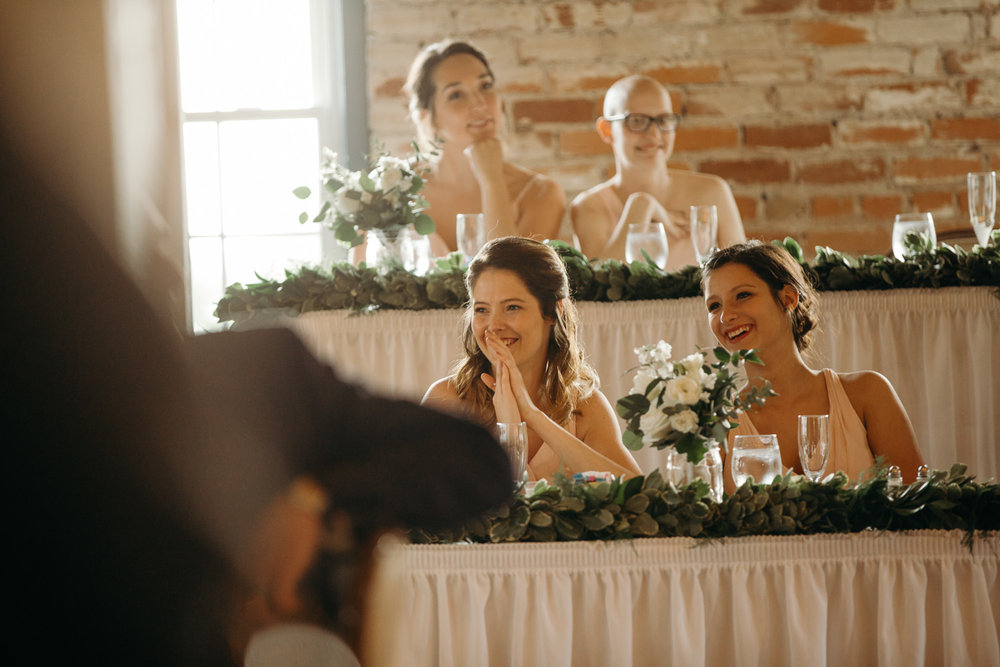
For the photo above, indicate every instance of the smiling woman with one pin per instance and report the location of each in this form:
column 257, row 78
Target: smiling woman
column 523, row 363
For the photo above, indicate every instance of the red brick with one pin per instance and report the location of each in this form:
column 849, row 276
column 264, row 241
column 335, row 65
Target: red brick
column 903, row 132
column 747, row 206
column 825, row 33
column 564, row 14
column 873, row 240
column 582, row 142
column 855, row 6
column 556, row 111
column 693, row 73
column 966, row 128
column 771, row 6
column 826, row 206
column 753, row 170
column 843, row 171
column 786, row 206
column 881, row 207
column 935, row 202
column 390, row 87
column 788, row 136
column 700, row 137
column 933, row 168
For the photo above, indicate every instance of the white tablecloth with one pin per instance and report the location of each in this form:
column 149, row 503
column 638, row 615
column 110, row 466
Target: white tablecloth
column 860, row 599
column 939, row 347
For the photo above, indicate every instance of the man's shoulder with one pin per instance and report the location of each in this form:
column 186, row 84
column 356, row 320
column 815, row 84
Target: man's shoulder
column 697, row 180
column 592, row 197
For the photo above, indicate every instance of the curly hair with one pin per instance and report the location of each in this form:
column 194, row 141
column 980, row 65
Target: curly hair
column 772, row 264
column 568, row 379
column 419, row 84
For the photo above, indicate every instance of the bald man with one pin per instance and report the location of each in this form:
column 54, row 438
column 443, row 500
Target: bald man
column 639, row 125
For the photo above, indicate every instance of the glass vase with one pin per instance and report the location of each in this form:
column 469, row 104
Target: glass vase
column 680, row 471
column 398, row 247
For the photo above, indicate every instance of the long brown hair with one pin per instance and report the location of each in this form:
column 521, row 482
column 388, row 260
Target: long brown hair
column 567, row 379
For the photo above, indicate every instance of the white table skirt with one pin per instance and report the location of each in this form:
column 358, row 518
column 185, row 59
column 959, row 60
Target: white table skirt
column 940, row 348
column 909, row 599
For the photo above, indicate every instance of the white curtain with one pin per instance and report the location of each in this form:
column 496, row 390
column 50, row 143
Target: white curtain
column 869, row 598
column 940, row 348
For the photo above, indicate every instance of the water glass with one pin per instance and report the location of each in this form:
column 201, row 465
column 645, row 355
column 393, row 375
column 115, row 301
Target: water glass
column 982, row 203
column 513, row 439
column 918, row 223
column 650, row 237
column 756, row 457
column 470, row 233
column 704, row 231
column 814, row 445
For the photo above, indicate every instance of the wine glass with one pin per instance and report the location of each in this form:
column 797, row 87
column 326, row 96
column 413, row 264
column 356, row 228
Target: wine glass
column 982, row 203
column 470, row 233
column 756, row 457
column 814, row 445
column 648, row 236
column 918, row 223
column 513, row 439
column 704, row 231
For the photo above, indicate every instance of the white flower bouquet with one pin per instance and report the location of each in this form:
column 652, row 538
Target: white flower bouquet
column 685, row 404
column 386, row 197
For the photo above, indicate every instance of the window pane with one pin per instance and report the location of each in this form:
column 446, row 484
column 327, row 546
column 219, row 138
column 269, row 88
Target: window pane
column 268, row 256
column 206, row 282
column 201, row 178
column 262, row 162
column 245, row 54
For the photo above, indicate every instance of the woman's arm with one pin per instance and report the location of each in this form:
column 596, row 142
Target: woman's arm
column 486, row 158
column 890, row 433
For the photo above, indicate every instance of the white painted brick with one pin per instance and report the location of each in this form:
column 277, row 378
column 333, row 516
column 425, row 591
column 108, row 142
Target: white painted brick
column 978, row 62
column 987, row 94
column 588, row 77
column 852, row 126
column 938, row 5
column 637, row 45
column 496, row 17
column 756, row 69
column 919, row 100
column 828, row 99
column 723, row 101
column 586, row 15
column 535, row 146
column 522, row 79
column 847, row 61
column 924, row 29
column 428, row 20
column 927, row 62
column 559, row 47
column 668, row 14
column 746, row 37
column 995, row 27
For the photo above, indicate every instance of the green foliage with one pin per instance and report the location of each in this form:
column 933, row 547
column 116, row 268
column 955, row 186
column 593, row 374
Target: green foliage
column 650, row 507
column 605, row 280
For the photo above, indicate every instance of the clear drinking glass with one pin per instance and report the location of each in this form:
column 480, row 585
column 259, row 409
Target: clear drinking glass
column 814, row 445
column 919, row 223
column 982, row 203
column 514, row 440
column 470, row 233
column 648, row 236
column 756, row 457
column 704, row 231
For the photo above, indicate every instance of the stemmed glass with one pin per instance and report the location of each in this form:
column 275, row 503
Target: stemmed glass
column 513, row 439
column 814, row 445
column 470, row 234
column 704, row 231
column 982, row 203
column 756, row 457
column 648, row 236
column 919, row 223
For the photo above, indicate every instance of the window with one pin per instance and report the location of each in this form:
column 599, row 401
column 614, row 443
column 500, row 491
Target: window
column 260, row 96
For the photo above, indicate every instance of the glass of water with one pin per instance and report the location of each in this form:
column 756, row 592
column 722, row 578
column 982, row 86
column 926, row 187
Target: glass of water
column 514, row 441
column 906, row 223
column 650, row 237
column 756, row 457
column 704, row 231
column 982, row 203
column 470, row 233
column 814, row 445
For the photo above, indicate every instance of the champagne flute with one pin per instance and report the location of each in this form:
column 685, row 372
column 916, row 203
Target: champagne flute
column 648, row 236
column 513, row 439
column 918, row 223
column 814, row 445
column 704, row 231
column 982, row 203
column 470, row 233
column 756, row 457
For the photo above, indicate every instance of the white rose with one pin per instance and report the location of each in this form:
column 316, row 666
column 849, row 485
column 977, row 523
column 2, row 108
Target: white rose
column 405, row 184
column 684, row 389
column 685, row 421
column 390, row 178
column 692, row 365
column 654, row 426
column 642, row 379
column 344, row 204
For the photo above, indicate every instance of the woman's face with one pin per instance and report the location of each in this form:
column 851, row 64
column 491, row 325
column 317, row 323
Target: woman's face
column 503, row 305
column 466, row 105
column 743, row 312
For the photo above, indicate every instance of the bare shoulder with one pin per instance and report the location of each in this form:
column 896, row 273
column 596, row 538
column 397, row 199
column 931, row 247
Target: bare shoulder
column 442, row 395
column 866, row 387
column 595, row 409
column 699, row 183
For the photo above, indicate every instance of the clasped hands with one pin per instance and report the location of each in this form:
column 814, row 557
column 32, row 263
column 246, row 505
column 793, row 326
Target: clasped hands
column 511, row 400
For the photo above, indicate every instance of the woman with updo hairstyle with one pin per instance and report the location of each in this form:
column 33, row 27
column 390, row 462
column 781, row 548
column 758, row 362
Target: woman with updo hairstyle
column 523, row 363
column 458, row 114
column 759, row 297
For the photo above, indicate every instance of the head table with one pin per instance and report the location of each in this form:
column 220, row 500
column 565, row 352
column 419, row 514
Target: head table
column 918, row 598
column 939, row 347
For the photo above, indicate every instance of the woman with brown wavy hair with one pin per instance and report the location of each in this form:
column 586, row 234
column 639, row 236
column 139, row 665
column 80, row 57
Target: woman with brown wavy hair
column 523, row 363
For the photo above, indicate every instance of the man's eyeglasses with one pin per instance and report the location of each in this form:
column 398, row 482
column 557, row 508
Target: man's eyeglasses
column 640, row 122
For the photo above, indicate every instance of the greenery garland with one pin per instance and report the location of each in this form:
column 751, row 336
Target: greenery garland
column 650, row 507
column 361, row 288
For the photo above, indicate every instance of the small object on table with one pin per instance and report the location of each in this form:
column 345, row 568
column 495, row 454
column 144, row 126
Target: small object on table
column 923, row 473
column 592, row 476
column 513, row 439
column 894, row 481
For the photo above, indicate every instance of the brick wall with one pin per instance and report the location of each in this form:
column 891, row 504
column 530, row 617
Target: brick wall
column 827, row 117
